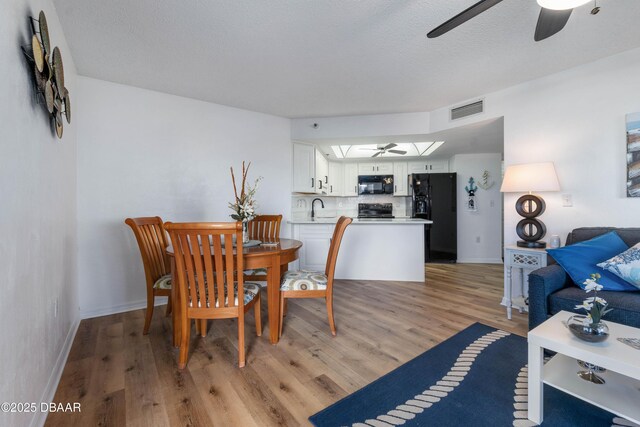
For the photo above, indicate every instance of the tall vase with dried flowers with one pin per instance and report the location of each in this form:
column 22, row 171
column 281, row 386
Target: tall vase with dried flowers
column 244, row 206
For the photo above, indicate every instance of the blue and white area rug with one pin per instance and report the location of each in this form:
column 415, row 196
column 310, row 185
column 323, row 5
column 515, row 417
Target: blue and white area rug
column 475, row 378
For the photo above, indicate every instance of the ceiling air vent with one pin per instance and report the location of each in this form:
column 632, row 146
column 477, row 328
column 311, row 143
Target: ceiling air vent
column 467, row 110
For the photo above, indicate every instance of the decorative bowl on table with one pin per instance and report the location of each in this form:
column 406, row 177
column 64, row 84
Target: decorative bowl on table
column 584, row 329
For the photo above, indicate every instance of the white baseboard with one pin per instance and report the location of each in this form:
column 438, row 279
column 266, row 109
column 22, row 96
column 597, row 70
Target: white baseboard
column 39, row 418
column 480, row 261
column 121, row 308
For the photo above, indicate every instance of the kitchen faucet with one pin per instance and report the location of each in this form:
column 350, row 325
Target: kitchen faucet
column 313, row 203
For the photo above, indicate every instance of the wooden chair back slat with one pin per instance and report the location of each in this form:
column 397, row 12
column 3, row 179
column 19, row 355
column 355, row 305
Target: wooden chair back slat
column 152, row 242
column 206, row 269
column 265, row 227
column 332, row 257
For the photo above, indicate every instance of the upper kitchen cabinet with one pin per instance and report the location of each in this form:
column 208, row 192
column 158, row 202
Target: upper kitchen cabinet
column 382, row 168
column 400, row 179
column 350, row 181
column 434, row 166
column 304, row 168
column 322, row 173
column 336, row 179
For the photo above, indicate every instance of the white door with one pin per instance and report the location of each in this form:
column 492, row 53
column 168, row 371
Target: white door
column 304, row 163
column 350, row 187
column 400, row 179
column 384, row 168
column 322, row 173
column 367, row 168
column 336, row 178
column 439, row 166
column 418, row 167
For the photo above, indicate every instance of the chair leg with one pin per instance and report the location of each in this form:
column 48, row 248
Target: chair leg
column 149, row 313
column 285, row 306
column 168, row 307
column 283, row 301
column 184, row 343
column 203, row 328
column 257, row 314
column 332, row 324
column 241, row 359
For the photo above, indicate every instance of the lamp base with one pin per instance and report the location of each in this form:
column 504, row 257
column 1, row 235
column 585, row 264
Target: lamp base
column 535, row 245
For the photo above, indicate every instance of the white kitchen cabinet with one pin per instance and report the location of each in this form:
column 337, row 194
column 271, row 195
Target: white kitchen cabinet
column 350, row 181
column 400, row 179
column 322, row 173
column 336, row 178
column 434, row 166
column 304, row 168
column 382, row 168
column 315, row 248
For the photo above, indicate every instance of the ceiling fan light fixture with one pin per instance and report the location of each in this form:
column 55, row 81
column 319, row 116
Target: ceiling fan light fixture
column 561, row 4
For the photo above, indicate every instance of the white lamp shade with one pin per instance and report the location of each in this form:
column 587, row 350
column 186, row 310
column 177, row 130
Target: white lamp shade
column 561, row 4
column 530, row 177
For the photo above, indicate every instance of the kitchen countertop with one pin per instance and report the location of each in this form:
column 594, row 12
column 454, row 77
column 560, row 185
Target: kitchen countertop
column 363, row 221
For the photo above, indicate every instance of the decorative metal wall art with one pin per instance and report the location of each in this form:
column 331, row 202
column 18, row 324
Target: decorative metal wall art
column 48, row 73
column 633, row 155
column 484, row 181
column 471, row 195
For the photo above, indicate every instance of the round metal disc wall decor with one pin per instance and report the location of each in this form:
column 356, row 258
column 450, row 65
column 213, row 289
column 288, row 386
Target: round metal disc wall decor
column 48, row 73
column 38, row 53
column 44, row 32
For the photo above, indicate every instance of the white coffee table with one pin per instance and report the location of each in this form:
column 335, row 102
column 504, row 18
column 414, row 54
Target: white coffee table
column 621, row 392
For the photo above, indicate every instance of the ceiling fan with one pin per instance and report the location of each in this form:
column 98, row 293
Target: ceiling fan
column 382, row 149
column 554, row 15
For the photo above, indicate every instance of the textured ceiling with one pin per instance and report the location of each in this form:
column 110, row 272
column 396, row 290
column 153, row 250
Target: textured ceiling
column 299, row 58
column 481, row 137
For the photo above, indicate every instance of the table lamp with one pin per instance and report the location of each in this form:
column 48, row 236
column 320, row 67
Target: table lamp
column 527, row 178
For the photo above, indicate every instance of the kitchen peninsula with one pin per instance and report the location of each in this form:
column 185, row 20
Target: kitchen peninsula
column 372, row 249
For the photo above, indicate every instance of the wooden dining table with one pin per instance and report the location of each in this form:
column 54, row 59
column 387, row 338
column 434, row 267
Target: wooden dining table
column 273, row 257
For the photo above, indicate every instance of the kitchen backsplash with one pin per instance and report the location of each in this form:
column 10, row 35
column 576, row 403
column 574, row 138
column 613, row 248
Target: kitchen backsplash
column 336, row 206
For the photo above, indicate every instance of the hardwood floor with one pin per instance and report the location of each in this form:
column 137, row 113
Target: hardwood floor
column 122, row 377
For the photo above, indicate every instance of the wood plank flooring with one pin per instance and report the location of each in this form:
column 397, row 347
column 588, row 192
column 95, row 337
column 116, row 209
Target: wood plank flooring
column 122, row 377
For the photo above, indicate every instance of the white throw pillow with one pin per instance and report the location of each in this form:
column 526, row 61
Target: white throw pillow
column 625, row 265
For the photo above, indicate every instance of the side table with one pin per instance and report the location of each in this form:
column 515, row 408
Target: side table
column 525, row 259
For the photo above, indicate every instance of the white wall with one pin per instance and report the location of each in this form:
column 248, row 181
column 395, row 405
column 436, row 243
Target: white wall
column 37, row 222
column 480, row 231
column 145, row 153
column 577, row 120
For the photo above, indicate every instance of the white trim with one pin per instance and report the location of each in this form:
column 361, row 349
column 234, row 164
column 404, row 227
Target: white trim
column 121, row 308
column 479, row 261
column 39, row 418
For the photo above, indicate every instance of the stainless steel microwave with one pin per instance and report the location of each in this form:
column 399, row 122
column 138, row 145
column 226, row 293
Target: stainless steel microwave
column 375, row 184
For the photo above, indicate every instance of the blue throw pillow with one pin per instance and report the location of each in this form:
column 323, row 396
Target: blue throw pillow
column 580, row 260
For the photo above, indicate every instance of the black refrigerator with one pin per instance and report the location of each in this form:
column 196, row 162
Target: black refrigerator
column 434, row 197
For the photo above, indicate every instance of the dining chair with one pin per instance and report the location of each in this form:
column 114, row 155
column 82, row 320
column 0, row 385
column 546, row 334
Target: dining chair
column 207, row 283
column 265, row 228
column 310, row 284
column 152, row 242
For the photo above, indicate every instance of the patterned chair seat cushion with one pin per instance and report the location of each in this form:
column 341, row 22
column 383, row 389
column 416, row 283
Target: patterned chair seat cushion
column 303, row 280
column 163, row 283
column 251, row 290
column 256, row 272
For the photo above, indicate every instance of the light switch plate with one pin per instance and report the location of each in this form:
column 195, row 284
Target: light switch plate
column 567, row 200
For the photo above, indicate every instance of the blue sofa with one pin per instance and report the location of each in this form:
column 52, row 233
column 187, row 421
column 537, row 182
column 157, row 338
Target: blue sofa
column 551, row 289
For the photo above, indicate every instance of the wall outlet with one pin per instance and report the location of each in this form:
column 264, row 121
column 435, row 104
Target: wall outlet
column 567, row 200
column 492, row 203
column 340, row 204
column 477, row 239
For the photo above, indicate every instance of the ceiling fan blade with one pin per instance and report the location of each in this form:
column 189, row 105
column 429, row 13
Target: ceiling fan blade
column 372, row 149
column 550, row 22
column 391, row 145
column 462, row 17
column 377, row 154
column 397, row 151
